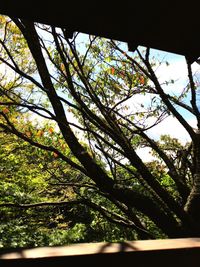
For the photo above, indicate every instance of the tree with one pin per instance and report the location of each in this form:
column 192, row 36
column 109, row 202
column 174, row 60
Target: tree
column 88, row 94
column 30, row 175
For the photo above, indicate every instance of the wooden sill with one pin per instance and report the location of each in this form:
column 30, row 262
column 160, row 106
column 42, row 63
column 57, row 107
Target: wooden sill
column 96, row 248
column 167, row 252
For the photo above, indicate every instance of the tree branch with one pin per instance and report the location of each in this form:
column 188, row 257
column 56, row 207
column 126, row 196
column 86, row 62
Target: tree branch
column 13, row 130
column 193, row 93
column 39, row 204
column 167, row 102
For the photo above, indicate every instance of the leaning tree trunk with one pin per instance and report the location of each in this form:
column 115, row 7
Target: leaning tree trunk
column 192, row 206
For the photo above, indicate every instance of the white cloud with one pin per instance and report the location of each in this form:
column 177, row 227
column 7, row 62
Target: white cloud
column 145, row 154
column 169, row 126
column 172, row 127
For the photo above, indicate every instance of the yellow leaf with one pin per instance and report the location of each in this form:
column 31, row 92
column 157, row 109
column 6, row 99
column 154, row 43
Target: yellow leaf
column 28, row 134
column 40, row 133
column 62, row 67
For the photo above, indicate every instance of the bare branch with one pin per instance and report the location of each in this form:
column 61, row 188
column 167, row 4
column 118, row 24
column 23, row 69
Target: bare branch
column 40, row 204
column 193, row 93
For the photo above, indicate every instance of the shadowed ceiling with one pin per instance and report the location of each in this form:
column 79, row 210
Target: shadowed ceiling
column 173, row 28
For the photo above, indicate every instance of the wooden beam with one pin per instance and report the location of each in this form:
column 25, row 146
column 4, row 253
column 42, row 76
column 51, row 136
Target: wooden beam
column 168, row 252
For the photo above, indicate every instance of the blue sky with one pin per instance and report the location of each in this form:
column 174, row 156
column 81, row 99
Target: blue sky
column 177, row 71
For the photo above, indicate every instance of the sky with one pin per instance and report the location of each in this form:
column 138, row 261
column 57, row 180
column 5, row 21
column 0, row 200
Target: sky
column 176, row 70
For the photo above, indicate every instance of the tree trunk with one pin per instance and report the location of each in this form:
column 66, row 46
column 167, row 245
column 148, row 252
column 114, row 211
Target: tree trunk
column 192, row 206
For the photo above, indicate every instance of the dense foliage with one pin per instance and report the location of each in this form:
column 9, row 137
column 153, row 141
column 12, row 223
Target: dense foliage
column 71, row 131
column 29, row 175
